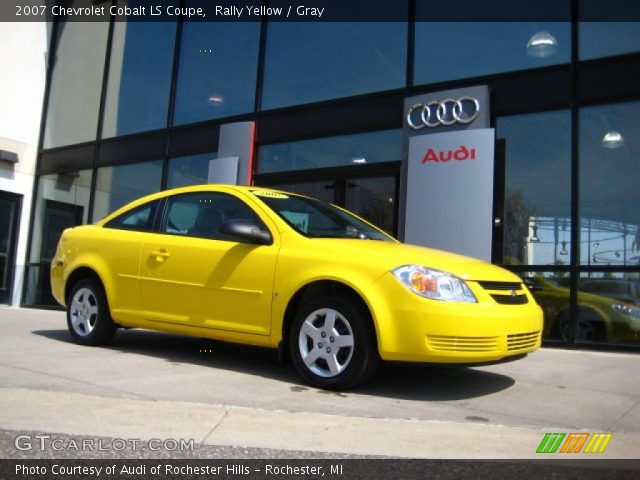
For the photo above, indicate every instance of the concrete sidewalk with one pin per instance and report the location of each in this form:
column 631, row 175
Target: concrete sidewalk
column 150, row 385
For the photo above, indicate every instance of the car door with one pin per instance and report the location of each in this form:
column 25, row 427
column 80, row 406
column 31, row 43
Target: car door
column 192, row 275
column 119, row 248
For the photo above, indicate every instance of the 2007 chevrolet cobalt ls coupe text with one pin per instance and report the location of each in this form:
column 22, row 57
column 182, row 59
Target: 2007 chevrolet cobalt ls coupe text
column 263, row 267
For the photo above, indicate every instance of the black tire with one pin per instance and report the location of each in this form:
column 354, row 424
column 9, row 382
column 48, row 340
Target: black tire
column 88, row 316
column 350, row 365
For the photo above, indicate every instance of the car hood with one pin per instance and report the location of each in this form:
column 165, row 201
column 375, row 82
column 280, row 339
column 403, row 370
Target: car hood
column 390, row 255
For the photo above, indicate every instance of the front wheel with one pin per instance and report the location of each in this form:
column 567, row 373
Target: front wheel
column 332, row 343
column 88, row 316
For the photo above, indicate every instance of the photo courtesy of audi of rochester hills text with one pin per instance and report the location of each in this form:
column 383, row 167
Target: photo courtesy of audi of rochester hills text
column 319, row 239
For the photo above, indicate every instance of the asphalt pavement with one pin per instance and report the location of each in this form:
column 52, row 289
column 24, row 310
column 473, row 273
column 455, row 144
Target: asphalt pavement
column 241, row 401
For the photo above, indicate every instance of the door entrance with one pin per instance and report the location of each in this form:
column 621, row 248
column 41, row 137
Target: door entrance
column 369, row 193
column 57, row 217
column 10, row 205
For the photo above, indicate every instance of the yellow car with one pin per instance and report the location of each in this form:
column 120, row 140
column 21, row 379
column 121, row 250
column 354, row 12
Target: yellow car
column 263, row 267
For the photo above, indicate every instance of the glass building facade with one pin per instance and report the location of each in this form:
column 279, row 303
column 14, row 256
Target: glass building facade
column 137, row 108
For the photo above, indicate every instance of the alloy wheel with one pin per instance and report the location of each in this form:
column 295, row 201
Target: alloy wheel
column 326, row 342
column 83, row 312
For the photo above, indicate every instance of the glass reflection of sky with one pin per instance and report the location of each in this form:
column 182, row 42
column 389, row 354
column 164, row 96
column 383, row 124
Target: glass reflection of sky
column 373, row 147
column 139, row 77
column 538, row 159
column 218, row 70
column 610, row 182
column 451, row 50
column 310, row 62
column 602, row 39
column 189, row 170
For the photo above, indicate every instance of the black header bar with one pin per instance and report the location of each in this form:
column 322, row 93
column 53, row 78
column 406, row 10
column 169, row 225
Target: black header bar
column 319, row 10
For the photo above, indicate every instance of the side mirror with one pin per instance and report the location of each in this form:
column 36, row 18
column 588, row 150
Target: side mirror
column 246, row 231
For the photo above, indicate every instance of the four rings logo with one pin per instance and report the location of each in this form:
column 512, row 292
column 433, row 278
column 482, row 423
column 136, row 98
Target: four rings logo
column 447, row 112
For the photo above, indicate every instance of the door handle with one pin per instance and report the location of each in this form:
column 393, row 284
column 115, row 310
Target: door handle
column 159, row 256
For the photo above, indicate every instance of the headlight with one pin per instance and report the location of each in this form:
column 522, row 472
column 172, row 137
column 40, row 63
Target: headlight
column 627, row 310
column 434, row 284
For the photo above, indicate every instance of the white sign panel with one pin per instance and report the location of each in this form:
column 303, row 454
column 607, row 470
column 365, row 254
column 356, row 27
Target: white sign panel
column 450, row 191
column 223, row 170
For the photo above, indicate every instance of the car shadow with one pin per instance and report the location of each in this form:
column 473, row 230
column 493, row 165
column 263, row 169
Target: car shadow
column 392, row 380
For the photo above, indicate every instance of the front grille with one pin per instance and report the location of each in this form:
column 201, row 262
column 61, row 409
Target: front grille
column 515, row 297
column 501, row 285
column 521, row 341
column 510, row 299
column 462, row 344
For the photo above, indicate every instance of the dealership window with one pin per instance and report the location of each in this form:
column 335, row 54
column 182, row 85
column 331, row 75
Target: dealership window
column 76, row 83
column 453, row 50
column 356, row 149
column 189, row 170
column 537, row 193
column 116, row 186
column 218, row 69
column 139, row 77
column 608, row 307
column 373, row 199
column 63, row 201
column 314, row 61
column 609, row 184
column 603, row 39
column 322, row 190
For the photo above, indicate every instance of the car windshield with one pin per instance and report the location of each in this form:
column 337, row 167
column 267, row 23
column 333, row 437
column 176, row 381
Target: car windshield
column 316, row 219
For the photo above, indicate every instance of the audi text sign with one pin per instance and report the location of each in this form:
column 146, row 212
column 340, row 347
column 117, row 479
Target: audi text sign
column 460, row 154
column 450, row 191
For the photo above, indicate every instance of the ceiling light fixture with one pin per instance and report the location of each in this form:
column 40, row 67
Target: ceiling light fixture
column 542, row 45
column 216, row 99
column 612, row 140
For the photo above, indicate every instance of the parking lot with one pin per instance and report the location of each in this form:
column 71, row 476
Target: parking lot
column 151, row 385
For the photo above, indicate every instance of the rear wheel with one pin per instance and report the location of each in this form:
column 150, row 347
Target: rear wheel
column 332, row 343
column 88, row 316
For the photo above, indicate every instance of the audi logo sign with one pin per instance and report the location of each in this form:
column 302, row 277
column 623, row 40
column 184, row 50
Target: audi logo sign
column 461, row 153
column 464, row 110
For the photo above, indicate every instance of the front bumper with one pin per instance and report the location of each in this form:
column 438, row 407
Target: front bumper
column 415, row 329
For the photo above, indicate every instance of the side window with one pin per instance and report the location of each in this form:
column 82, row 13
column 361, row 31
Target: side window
column 140, row 218
column 201, row 214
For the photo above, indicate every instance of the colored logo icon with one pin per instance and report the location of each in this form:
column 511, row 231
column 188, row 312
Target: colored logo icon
column 574, row 443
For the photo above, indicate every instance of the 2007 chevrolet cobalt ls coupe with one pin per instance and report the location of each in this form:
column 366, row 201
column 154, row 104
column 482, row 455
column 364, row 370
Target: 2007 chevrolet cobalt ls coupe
column 263, row 267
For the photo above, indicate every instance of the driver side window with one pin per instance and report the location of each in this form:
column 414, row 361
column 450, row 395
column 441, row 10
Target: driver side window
column 202, row 214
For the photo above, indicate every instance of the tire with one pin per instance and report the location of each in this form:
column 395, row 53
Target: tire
column 88, row 316
column 320, row 325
